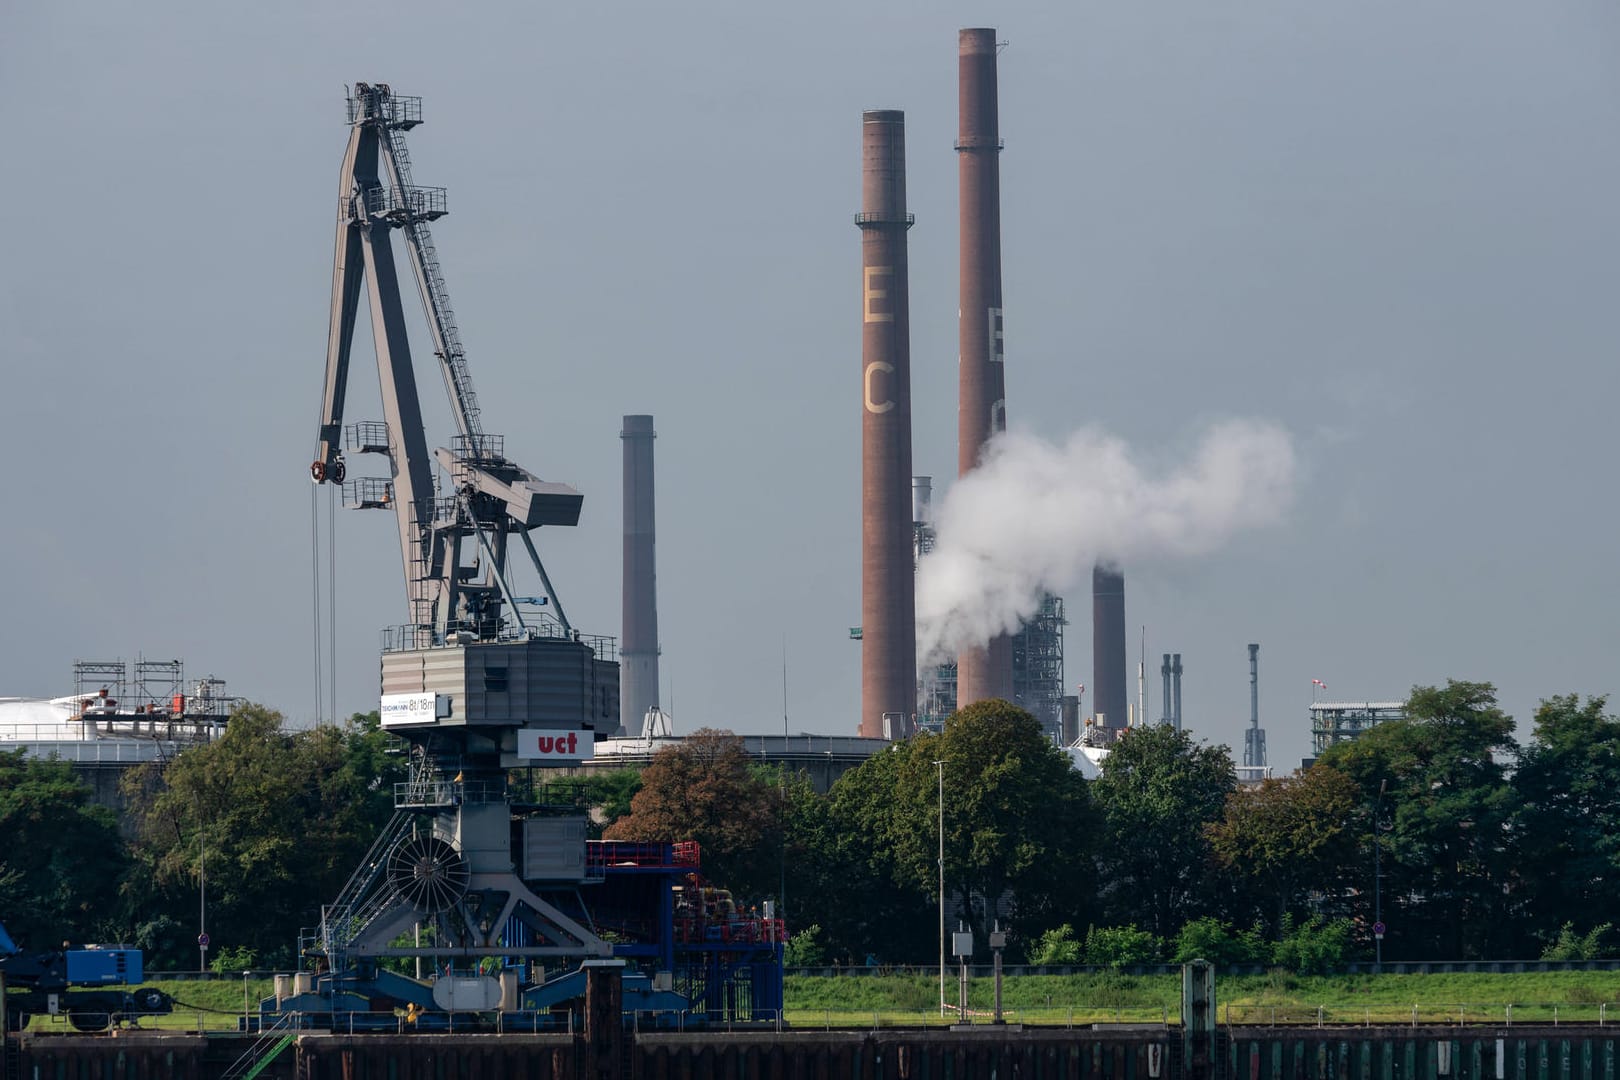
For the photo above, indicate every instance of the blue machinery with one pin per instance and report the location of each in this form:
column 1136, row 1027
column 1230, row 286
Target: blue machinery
column 688, row 957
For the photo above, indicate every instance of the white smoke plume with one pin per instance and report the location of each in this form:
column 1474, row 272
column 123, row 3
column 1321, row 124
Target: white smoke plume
column 1035, row 517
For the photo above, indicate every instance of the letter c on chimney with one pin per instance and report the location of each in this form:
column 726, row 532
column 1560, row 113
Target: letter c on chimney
column 875, row 406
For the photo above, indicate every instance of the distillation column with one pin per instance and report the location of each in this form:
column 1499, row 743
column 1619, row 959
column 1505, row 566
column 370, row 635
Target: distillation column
column 984, row 670
column 888, row 591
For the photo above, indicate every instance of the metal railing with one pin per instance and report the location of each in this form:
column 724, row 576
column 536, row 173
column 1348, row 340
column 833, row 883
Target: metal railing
column 545, row 628
column 395, row 110
column 1432, row 1014
column 407, row 205
column 430, row 793
column 97, row 751
column 366, row 437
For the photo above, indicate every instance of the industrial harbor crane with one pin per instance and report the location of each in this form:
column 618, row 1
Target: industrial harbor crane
column 463, row 875
column 473, row 685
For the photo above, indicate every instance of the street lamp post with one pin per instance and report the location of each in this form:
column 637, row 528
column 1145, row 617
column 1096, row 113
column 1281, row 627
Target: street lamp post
column 1378, row 880
column 941, row 766
column 245, row 975
column 202, row 903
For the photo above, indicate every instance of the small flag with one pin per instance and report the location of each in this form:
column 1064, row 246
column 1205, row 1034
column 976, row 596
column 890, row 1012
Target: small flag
column 1320, row 683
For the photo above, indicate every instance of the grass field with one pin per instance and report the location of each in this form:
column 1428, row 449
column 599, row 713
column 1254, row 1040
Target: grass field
column 912, row 1000
column 1567, row 996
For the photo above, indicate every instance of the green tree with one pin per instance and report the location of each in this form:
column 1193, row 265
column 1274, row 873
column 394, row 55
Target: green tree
column 610, row 795
column 61, row 856
column 1283, row 837
column 1568, row 821
column 1572, row 946
column 278, row 820
column 1016, row 820
column 804, row 949
column 1313, row 947
column 1157, row 792
column 1209, row 938
column 1443, row 819
column 867, row 902
column 705, row 789
column 1121, row 946
column 1057, row 947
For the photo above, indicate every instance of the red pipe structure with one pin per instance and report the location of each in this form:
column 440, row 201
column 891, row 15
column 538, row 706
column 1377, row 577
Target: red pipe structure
column 888, row 596
column 982, row 671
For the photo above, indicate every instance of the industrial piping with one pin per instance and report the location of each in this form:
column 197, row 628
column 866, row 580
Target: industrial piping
column 1108, row 645
column 888, row 591
column 638, row 652
column 984, row 670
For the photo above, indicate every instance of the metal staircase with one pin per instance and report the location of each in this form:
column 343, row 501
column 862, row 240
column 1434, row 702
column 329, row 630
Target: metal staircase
column 272, row 1040
column 360, row 901
column 447, row 336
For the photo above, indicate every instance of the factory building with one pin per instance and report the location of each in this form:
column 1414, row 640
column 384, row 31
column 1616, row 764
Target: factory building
column 1334, row 722
column 1037, row 648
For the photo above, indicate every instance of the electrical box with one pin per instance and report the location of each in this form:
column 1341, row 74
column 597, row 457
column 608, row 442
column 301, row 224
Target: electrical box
column 962, row 943
column 554, row 849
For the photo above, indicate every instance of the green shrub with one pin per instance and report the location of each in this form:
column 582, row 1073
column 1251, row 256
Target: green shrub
column 1118, row 946
column 1220, row 943
column 1573, row 946
column 805, row 949
column 233, row 960
column 1057, row 946
column 1314, row 947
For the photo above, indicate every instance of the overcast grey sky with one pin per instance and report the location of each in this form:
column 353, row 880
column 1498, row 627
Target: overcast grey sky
column 1390, row 226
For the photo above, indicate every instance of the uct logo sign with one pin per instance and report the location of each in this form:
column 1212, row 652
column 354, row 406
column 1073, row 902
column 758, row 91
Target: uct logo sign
column 536, row 744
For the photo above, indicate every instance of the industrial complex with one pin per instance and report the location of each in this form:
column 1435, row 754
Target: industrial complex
column 521, row 917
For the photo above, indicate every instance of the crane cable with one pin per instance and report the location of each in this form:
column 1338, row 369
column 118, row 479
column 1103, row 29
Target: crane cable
column 331, row 598
column 315, row 581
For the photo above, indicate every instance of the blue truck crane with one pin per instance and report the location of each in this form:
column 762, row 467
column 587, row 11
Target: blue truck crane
column 88, row 986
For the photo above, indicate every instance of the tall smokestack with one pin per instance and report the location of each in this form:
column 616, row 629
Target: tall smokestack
column 1108, row 644
column 638, row 646
column 1164, row 670
column 1175, row 671
column 983, row 671
column 1254, row 742
column 888, row 592
column 922, row 500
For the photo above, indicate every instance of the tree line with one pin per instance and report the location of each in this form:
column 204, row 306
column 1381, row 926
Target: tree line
column 1464, row 843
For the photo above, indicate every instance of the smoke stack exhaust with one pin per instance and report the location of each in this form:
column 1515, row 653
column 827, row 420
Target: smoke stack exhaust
column 1254, row 742
column 1164, row 670
column 922, row 500
column 1175, row 671
column 1108, row 644
column 983, row 671
column 638, row 646
column 888, row 591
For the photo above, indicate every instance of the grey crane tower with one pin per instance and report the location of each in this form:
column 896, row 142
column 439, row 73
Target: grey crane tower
column 473, row 684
